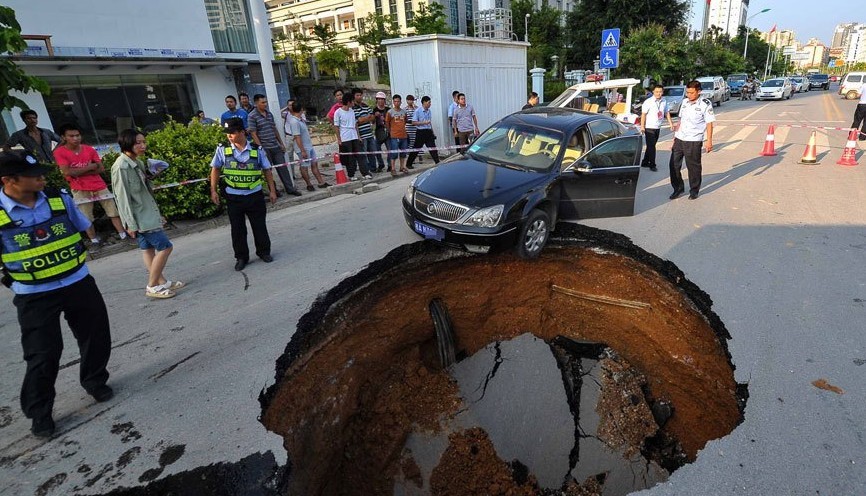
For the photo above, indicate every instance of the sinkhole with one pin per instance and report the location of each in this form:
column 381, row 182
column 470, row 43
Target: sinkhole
column 595, row 369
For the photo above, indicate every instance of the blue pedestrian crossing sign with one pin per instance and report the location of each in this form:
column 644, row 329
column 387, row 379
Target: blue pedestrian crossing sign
column 610, row 38
column 608, row 58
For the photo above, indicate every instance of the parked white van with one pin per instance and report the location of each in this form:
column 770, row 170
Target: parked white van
column 850, row 85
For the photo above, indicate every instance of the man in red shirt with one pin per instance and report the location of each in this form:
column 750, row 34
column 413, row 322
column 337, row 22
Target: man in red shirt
column 338, row 102
column 81, row 165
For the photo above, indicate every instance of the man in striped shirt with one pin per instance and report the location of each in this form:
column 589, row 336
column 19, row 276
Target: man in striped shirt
column 364, row 117
column 263, row 129
column 410, row 124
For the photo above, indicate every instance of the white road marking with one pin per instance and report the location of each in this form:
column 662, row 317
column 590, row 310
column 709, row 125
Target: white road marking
column 738, row 138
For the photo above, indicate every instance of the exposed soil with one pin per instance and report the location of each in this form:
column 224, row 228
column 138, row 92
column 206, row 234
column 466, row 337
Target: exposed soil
column 361, row 372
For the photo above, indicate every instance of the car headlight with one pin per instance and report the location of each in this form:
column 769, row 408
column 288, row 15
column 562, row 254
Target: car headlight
column 485, row 217
column 408, row 194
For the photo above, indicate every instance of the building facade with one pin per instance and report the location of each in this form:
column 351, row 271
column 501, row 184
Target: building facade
column 812, row 54
column 727, row 15
column 779, row 39
column 854, row 48
column 111, row 68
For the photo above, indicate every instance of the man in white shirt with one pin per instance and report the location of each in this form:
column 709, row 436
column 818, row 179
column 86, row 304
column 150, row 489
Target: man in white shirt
column 653, row 110
column 348, row 139
column 696, row 118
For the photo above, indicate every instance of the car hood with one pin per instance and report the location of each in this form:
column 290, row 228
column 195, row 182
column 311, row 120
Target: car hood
column 478, row 184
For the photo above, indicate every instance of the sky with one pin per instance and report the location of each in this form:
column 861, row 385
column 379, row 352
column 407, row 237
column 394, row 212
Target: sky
column 807, row 18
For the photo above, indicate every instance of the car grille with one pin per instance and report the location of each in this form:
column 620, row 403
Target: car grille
column 438, row 209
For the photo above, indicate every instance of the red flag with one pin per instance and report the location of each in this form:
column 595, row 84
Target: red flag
column 772, row 29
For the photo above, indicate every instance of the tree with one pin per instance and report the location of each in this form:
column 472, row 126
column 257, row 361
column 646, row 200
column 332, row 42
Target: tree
column 545, row 31
column 590, row 17
column 323, row 34
column 333, row 59
column 649, row 51
column 430, row 19
column 301, row 53
column 13, row 78
column 377, row 28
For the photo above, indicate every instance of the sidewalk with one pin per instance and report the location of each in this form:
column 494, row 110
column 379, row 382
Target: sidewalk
column 184, row 227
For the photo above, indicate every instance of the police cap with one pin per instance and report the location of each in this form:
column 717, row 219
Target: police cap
column 21, row 163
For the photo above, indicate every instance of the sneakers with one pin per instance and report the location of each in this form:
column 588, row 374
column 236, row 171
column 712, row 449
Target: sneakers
column 159, row 292
column 43, row 427
column 102, row 394
column 368, row 176
column 353, row 178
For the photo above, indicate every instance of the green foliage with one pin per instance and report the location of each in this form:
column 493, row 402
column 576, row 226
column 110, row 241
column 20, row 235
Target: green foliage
column 12, row 78
column 377, row 28
column 323, row 34
column 333, row 59
column 651, row 51
column 301, row 53
column 430, row 19
column 553, row 88
column 590, row 17
column 188, row 150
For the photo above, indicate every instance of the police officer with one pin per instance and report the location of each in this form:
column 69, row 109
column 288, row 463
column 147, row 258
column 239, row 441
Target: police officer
column 43, row 255
column 242, row 164
column 696, row 117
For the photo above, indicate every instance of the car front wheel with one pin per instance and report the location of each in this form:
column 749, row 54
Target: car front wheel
column 533, row 235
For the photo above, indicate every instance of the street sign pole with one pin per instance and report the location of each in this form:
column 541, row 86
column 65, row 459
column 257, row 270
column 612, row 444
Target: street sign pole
column 609, row 54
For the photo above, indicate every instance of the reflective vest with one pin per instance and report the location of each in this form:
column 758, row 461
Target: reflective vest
column 242, row 175
column 46, row 251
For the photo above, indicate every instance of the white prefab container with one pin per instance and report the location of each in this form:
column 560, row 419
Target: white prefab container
column 492, row 74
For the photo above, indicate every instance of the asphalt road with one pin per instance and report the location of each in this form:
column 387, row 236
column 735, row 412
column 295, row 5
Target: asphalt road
column 779, row 246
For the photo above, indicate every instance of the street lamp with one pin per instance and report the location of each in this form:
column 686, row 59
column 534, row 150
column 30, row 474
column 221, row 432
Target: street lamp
column 746, row 47
column 526, row 28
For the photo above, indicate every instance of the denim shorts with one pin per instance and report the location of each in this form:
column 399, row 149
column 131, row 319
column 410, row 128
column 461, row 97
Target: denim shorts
column 153, row 239
column 398, row 144
column 311, row 154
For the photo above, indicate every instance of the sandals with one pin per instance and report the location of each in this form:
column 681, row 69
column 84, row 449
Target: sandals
column 159, row 292
column 174, row 285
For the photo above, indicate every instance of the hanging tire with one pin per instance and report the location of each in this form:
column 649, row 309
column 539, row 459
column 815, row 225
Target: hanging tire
column 533, row 235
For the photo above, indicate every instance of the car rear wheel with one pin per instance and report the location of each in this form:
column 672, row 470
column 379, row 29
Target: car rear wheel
column 533, row 235
column 851, row 95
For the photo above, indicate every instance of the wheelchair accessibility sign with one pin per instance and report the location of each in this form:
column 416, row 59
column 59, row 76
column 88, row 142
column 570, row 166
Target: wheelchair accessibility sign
column 609, row 58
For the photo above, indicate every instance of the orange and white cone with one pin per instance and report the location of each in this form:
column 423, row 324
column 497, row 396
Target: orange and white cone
column 849, row 155
column 770, row 143
column 339, row 172
column 810, row 156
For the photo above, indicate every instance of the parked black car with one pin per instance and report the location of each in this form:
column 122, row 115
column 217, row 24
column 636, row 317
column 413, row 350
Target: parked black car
column 819, row 81
column 523, row 174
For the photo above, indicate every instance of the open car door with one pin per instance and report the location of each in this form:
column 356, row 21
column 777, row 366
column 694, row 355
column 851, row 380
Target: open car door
column 603, row 182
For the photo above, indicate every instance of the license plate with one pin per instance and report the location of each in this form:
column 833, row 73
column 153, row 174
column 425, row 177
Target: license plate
column 429, row 232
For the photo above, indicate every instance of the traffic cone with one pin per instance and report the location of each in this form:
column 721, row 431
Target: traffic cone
column 770, row 143
column 339, row 171
column 810, row 156
column 849, row 155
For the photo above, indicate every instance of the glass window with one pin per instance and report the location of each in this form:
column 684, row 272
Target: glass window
column 378, row 4
column 105, row 105
column 255, row 72
column 407, row 7
column 455, row 18
column 621, row 152
column 230, row 26
column 392, row 9
column 602, row 130
column 517, row 145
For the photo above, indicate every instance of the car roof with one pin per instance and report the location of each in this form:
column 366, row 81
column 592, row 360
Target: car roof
column 675, row 86
column 563, row 119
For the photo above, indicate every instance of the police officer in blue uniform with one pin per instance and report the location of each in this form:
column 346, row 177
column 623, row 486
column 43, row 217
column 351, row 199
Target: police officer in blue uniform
column 696, row 118
column 43, row 256
column 242, row 165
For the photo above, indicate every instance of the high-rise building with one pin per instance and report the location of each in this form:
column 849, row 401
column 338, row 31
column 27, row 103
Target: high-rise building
column 854, row 49
column 842, row 33
column 727, row 15
column 778, row 39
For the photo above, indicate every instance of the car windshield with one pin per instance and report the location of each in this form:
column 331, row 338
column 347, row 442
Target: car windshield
column 564, row 97
column 518, row 145
column 740, row 77
column 774, row 83
column 797, row 80
column 673, row 91
column 819, row 77
column 706, row 85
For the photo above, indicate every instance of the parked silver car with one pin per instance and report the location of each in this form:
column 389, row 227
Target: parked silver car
column 801, row 84
column 775, row 89
column 674, row 96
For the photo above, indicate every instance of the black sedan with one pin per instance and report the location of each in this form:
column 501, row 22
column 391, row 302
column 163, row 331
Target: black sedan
column 523, row 174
